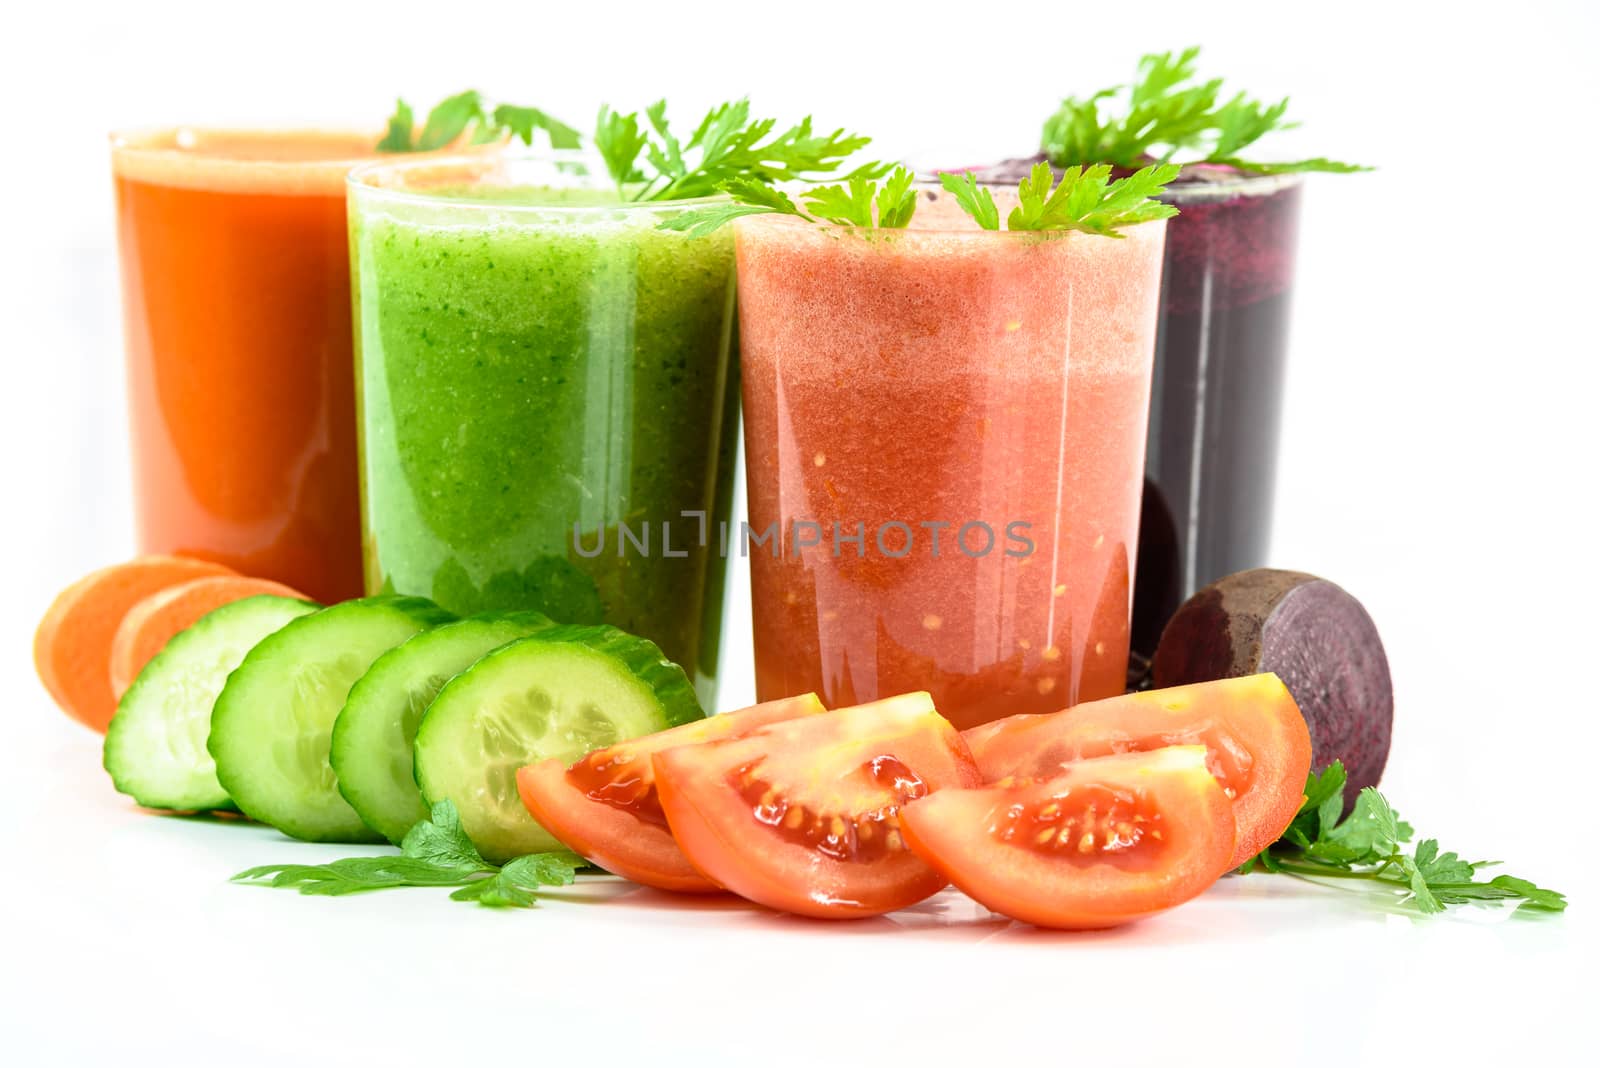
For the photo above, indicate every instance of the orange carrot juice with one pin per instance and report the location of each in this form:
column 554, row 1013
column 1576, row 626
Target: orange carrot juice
column 944, row 430
column 236, row 293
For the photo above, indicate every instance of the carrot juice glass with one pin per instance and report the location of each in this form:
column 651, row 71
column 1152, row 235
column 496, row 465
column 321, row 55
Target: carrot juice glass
column 236, row 296
column 944, row 433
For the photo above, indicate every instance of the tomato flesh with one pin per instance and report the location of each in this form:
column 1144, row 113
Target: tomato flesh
column 1257, row 745
column 864, row 837
column 804, row 816
column 605, row 808
column 1106, row 841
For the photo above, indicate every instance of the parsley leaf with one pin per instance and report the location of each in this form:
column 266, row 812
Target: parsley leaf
column 435, row 852
column 975, row 200
column 859, row 201
column 726, row 146
column 749, row 197
column 1369, row 844
column 1163, row 115
column 1090, row 200
column 468, row 114
column 401, row 126
column 515, row 885
column 522, row 122
column 440, row 839
column 450, row 119
column 896, row 202
column 1167, row 115
column 354, row 874
column 619, row 141
column 849, row 205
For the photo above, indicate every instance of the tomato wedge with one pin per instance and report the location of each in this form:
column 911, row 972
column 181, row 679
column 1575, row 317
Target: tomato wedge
column 1258, row 745
column 1104, row 842
column 605, row 808
column 803, row 816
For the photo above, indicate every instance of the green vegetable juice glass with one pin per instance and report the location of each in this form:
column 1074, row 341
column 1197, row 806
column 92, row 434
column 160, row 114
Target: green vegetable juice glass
column 546, row 399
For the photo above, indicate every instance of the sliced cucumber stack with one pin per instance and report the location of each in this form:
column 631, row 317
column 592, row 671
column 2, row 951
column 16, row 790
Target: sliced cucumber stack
column 559, row 693
column 156, row 746
column 373, row 736
column 272, row 723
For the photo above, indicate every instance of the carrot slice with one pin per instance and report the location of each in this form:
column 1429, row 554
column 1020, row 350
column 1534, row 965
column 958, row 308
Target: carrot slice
column 151, row 623
column 72, row 647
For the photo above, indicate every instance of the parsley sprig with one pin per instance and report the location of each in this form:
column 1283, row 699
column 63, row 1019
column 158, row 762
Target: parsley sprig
column 435, row 852
column 1323, row 843
column 468, row 113
column 1089, row 200
column 1167, row 115
column 648, row 162
column 861, row 201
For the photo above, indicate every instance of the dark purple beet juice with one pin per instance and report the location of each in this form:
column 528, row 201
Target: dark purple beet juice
column 1211, row 453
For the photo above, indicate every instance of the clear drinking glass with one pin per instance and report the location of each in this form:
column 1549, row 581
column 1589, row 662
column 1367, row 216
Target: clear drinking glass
column 944, row 436
column 236, row 300
column 547, row 397
column 1221, row 350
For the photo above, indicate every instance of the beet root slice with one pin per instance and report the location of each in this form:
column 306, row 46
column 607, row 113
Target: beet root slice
column 1315, row 637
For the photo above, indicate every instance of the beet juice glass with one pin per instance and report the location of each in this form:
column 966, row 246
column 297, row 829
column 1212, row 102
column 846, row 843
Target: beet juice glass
column 944, row 434
column 1217, row 388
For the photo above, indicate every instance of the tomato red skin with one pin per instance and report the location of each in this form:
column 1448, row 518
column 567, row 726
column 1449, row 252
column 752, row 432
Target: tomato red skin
column 1258, row 711
column 716, row 830
column 619, row 840
column 949, row 830
column 616, row 840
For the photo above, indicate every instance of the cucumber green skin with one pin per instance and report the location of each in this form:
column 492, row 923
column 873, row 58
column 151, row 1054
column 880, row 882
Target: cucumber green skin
column 271, row 739
column 145, row 748
column 466, row 754
column 373, row 736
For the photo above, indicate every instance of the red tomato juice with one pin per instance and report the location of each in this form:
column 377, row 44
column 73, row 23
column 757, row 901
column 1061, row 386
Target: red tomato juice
column 995, row 383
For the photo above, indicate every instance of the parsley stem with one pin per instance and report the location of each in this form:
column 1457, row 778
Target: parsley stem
column 1319, row 871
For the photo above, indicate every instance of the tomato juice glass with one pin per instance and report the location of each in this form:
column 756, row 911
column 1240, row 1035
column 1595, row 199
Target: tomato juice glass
column 236, row 301
column 944, row 435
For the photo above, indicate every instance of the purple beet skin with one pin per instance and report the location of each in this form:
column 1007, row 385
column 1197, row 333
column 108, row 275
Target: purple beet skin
column 1315, row 637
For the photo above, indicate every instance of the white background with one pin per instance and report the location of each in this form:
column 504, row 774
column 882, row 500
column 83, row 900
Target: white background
column 1438, row 460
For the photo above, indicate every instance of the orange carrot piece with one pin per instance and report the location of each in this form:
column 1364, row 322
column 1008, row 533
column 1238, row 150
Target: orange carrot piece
column 72, row 647
column 151, row 623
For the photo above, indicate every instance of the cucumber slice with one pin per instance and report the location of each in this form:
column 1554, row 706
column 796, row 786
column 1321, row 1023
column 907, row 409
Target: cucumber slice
column 373, row 735
column 559, row 693
column 272, row 723
column 156, row 746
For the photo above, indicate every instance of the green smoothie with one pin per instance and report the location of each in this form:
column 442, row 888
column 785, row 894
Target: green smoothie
column 545, row 388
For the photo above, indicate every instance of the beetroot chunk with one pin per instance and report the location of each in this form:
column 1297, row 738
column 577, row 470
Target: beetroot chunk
column 1316, row 637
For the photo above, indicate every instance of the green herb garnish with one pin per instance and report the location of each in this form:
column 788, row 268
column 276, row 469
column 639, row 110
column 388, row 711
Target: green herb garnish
column 853, row 203
column 1321, row 843
column 1090, row 200
column 648, row 162
column 1166, row 115
column 862, row 201
column 975, row 200
column 467, row 113
column 435, row 852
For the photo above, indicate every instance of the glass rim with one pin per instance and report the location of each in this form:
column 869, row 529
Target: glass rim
column 167, row 140
column 359, row 182
column 1240, row 183
column 925, row 184
column 188, row 155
